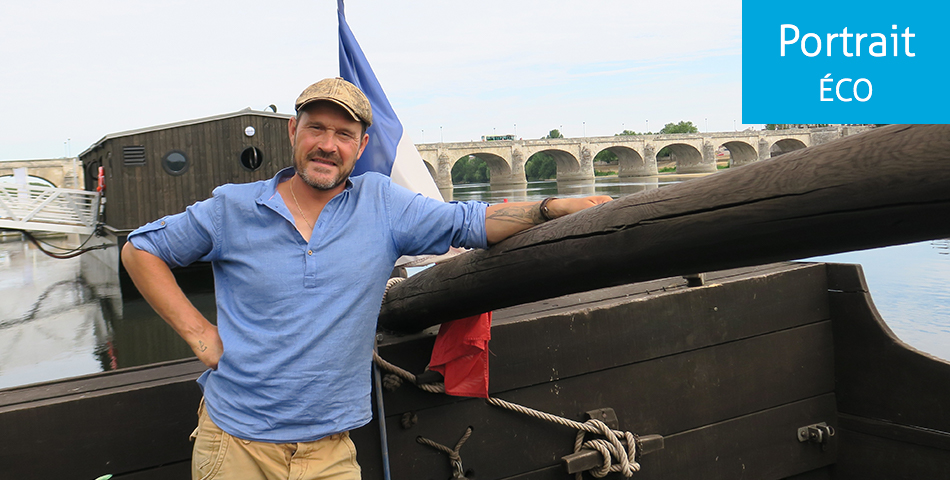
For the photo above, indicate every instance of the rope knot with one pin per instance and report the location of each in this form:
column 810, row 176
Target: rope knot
column 455, row 459
column 616, row 446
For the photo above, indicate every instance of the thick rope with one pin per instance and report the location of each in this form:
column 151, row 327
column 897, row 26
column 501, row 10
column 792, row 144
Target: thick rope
column 391, row 383
column 406, row 375
column 453, row 454
column 389, row 284
column 610, row 447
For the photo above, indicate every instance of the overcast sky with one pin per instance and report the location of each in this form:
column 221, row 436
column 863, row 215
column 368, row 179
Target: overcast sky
column 72, row 72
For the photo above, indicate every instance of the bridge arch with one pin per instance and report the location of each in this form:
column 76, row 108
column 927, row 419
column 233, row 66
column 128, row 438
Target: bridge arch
column 785, row 145
column 30, row 180
column 497, row 166
column 740, row 153
column 566, row 162
column 686, row 157
column 433, row 171
column 629, row 161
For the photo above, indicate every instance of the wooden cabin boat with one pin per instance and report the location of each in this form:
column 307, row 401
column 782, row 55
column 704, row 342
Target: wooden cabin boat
column 753, row 370
column 156, row 171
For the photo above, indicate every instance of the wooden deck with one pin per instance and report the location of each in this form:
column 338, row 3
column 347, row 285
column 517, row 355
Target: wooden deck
column 726, row 372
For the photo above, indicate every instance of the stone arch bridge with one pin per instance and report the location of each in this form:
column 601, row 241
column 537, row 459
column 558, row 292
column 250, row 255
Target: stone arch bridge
column 693, row 153
column 61, row 172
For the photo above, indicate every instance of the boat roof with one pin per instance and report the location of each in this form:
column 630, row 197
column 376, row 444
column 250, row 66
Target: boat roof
column 246, row 111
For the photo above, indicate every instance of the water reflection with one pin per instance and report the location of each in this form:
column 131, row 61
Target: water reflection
column 52, row 321
column 64, row 318
column 910, row 285
column 613, row 186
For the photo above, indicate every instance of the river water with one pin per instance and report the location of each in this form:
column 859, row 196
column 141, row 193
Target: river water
column 62, row 318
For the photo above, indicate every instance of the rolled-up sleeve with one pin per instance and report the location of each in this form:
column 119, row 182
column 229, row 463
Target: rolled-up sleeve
column 422, row 225
column 183, row 238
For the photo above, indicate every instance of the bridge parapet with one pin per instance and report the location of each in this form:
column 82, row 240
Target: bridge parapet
column 61, row 172
column 692, row 152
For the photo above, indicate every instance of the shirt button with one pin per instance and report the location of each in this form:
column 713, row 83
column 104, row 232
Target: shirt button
column 309, row 252
column 163, row 222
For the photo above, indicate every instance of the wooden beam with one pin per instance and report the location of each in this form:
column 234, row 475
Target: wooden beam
column 884, row 187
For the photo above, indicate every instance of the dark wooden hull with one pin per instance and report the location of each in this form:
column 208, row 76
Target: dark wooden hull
column 726, row 372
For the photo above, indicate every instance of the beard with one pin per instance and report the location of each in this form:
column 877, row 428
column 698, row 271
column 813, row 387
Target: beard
column 324, row 182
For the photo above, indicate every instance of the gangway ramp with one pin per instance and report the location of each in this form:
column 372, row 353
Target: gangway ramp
column 46, row 209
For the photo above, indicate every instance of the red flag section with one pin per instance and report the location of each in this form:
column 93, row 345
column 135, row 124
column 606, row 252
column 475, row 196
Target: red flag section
column 460, row 354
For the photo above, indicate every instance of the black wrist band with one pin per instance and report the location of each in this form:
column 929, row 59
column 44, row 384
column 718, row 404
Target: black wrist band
column 543, row 208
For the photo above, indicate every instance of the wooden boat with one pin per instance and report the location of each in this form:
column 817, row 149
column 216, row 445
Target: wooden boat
column 765, row 371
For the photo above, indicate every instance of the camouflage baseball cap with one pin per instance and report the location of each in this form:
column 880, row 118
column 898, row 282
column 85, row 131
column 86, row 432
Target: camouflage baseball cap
column 340, row 92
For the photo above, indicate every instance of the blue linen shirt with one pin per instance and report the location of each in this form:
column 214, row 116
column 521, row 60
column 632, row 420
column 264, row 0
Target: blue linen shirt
column 298, row 319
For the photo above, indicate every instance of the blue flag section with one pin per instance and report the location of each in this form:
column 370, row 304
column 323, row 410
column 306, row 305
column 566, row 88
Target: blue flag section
column 390, row 151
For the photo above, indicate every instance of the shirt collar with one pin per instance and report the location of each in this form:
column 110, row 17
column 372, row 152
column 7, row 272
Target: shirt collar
column 270, row 187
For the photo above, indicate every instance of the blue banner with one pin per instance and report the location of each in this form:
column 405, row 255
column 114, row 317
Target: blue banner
column 386, row 131
column 845, row 62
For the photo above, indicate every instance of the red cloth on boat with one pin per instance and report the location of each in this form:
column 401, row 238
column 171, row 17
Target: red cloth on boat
column 460, row 354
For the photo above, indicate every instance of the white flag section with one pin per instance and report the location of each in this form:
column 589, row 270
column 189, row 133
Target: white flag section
column 390, row 151
column 409, row 170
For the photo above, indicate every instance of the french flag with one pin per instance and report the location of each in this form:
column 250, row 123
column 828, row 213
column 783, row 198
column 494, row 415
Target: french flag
column 460, row 353
column 390, row 151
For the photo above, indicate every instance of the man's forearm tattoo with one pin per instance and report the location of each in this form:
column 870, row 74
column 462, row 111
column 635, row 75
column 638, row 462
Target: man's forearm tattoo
column 527, row 215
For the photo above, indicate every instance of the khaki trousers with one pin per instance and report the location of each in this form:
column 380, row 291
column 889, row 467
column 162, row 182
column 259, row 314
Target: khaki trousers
column 218, row 455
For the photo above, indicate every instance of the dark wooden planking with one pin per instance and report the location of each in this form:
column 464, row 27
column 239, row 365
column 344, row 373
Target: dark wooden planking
column 628, row 291
column 760, row 446
column 581, row 333
column 870, row 457
column 877, row 375
column 140, row 194
column 824, row 473
column 883, row 187
column 666, row 395
column 100, row 383
column 894, row 431
column 846, row 277
column 174, row 471
column 576, row 340
column 135, row 429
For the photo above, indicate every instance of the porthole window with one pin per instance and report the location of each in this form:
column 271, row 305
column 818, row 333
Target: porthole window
column 175, row 162
column 252, row 158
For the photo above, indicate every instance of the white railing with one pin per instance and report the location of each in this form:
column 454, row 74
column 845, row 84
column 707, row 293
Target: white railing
column 33, row 208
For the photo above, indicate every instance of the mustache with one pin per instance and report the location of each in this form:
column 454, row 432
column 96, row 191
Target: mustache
column 324, row 155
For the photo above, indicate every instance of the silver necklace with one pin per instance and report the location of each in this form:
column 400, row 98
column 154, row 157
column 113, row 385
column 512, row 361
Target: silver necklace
column 298, row 203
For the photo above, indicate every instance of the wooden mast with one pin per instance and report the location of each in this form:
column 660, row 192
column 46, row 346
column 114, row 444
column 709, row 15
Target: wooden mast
column 888, row 186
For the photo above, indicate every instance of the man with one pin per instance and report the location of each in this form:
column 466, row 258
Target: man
column 300, row 265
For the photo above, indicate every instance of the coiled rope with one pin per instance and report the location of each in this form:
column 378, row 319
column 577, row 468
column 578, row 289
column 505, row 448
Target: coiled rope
column 623, row 446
